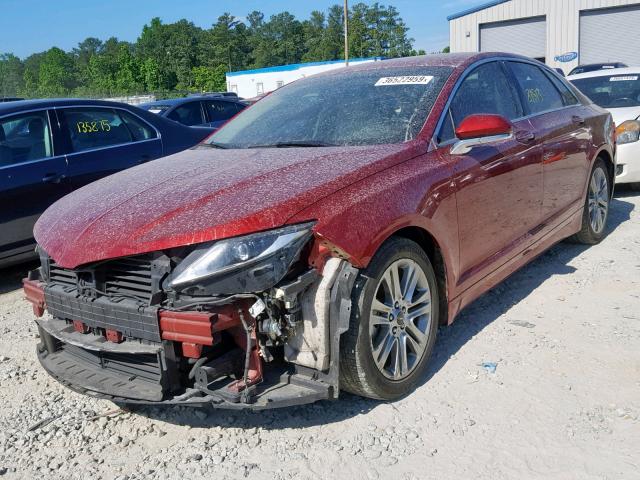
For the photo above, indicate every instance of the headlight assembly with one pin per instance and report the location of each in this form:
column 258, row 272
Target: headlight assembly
column 246, row 264
column 628, row 132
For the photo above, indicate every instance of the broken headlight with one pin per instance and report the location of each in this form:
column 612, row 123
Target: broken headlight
column 247, row 264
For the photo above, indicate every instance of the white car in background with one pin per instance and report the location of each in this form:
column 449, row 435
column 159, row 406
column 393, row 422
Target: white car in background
column 618, row 91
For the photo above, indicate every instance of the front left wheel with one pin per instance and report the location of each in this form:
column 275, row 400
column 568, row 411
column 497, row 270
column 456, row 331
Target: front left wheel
column 393, row 324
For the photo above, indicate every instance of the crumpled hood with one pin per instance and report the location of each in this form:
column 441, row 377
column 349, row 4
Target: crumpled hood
column 199, row 195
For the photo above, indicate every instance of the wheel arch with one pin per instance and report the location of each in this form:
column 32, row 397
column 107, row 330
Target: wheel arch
column 606, row 156
column 432, row 249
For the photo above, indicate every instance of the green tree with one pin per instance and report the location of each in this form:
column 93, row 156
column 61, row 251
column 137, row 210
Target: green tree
column 261, row 41
column 178, row 57
column 333, row 40
column 150, row 73
column 286, row 34
column 226, row 43
column 313, row 31
column 360, row 41
column 181, row 52
column 32, row 75
column 128, row 77
column 82, row 56
column 209, row 79
column 55, row 77
column 11, row 75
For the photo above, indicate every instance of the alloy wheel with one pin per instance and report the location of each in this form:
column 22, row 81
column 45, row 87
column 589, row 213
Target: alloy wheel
column 598, row 200
column 400, row 319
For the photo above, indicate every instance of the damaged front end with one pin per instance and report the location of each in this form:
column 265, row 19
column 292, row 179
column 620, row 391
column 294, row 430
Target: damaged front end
column 248, row 322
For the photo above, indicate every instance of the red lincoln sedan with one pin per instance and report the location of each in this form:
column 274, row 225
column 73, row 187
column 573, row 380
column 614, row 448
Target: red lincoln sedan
column 315, row 243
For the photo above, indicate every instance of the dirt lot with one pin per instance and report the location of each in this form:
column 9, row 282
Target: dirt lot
column 563, row 403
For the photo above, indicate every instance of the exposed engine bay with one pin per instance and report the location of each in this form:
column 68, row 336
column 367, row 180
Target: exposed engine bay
column 158, row 328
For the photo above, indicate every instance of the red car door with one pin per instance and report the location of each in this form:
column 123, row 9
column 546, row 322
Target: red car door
column 559, row 121
column 499, row 186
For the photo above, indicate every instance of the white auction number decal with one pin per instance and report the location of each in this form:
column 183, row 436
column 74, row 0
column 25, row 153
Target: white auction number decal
column 406, row 80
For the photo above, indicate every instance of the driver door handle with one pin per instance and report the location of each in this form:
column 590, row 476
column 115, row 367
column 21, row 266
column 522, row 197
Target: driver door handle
column 53, row 178
column 525, row 136
column 577, row 119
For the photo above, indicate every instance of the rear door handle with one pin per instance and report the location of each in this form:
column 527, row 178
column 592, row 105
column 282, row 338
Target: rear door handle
column 52, row 178
column 525, row 136
column 577, row 119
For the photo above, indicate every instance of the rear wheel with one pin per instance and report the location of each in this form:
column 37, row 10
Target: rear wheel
column 393, row 325
column 596, row 210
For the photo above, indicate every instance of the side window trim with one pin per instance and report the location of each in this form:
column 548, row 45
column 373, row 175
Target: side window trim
column 446, row 118
column 64, row 129
column 515, row 91
column 527, row 112
column 117, row 113
column 470, row 69
column 556, row 79
column 203, row 114
column 54, row 150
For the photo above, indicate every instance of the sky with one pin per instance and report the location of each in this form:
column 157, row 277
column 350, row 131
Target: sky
column 30, row 26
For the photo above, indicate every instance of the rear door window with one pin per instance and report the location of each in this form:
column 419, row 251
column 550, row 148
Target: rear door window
column 25, row 137
column 139, row 129
column 219, row 110
column 188, row 114
column 538, row 92
column 485, row 90
column 568, row 98
column 92, row 128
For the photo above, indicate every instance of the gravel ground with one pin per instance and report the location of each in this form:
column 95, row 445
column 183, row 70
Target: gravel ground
column 563, row 402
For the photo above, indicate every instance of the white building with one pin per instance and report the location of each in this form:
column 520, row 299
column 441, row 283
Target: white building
column 562, row 33
column 250, row 83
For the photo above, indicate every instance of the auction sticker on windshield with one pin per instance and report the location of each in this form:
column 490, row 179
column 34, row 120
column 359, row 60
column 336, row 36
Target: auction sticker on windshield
column 406, row 80
column 624, row 79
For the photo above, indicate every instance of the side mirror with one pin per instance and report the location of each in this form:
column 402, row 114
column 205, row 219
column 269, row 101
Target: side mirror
column 481, row 129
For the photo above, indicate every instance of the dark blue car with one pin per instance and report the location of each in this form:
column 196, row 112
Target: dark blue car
column 212, row 111
column 50, row 147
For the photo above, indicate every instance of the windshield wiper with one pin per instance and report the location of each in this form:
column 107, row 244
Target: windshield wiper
column 294, row 144
column 214, row 145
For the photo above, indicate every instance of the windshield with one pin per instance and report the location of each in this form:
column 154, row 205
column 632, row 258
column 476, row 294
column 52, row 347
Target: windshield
column 615, row 91
column 155, row 108
column 370, row 107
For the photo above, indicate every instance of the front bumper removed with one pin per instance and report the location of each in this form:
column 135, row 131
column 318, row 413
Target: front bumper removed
column 142, row 372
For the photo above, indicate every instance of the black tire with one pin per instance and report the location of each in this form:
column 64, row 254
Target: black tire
column 634, row 187
column 587, row 234
column 359, row 373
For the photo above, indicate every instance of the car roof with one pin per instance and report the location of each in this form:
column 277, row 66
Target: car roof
column 25, row 105
column 179, row 101
column 606, row 73
column 453, row 60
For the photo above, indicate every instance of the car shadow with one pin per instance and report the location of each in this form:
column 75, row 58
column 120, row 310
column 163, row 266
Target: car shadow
column 625, row 191
column 11, row 277
column 497, row 301
column 451, row 339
